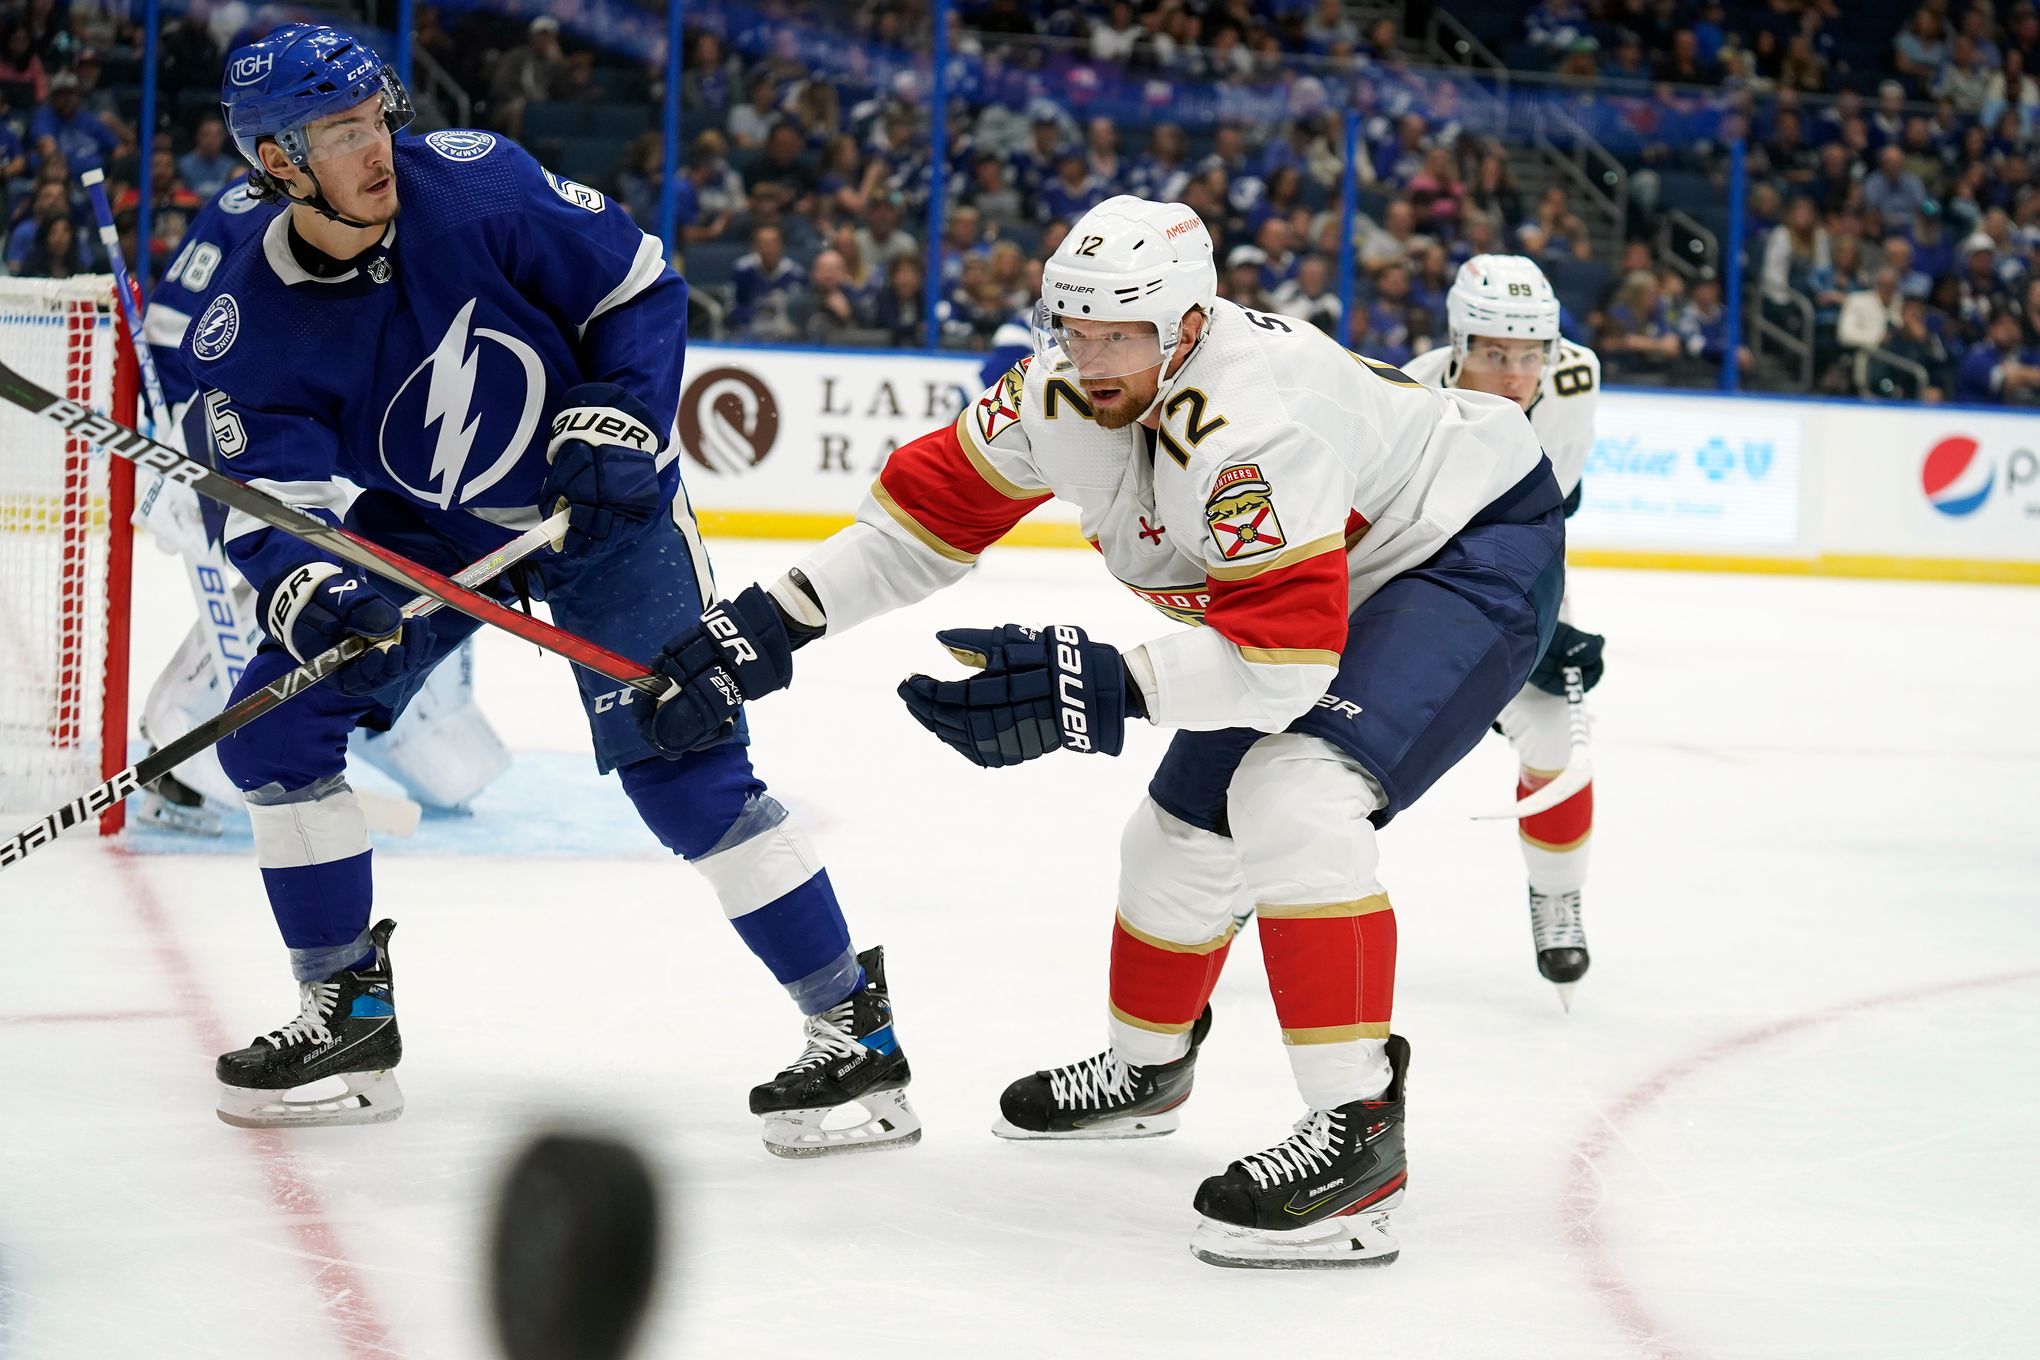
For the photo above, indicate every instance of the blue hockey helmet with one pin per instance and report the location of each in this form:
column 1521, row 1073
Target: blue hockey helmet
column 283, row 82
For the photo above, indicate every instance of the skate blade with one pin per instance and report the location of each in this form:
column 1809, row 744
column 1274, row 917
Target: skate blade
column 366, row 1098
column 160, row 812
column 1342, row 1242
column 1565, row 991
column 889, row 1122
column 1129, row 1126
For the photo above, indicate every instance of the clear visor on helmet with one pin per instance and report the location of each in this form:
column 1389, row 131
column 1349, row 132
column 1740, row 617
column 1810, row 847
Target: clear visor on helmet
column 375, row 119
column 1501, row 357
column 1080, row 348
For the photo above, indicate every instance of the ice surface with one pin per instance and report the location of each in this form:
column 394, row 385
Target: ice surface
column 1793, row 1112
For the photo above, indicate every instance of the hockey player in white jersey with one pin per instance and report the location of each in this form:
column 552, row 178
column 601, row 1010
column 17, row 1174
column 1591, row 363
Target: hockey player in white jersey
column 1503, row 322
column 1375, row 564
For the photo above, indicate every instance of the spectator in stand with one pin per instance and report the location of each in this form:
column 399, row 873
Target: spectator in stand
column 1115, row 37
column 1702, row 327
column 709, row 83
column 209, row 165
column 1101, row 156
column 13, row 166
column 49, row 200
column 1435, row 191
column 1892, row 193
column 2000, row 369
column 1795, row 248
column 58, row 249
column 899, row 309
column 1980, row 290
column 1886, row 123
column 2011, row 87
column 1898, row 254
column 1033, row 166
column 532, row 70
column 1921, row 48
column 1388, row 317
column 1245, row 272
column 1915, row 341
column 1964, row 80
column 1684, row 64
column 1803, row 68
column 61, row 125
column 830, row 306
column 1788, row 158
column 1869, row 314
column 1627, row 62
column 1309, row 296
column 716, row 183
column 880, row 239
column 1637, row 338
column 1553, row 26
column 763, row 284
column 1073, row 192
column 23, row 81
column 1398, row 162
column 750, row 122
column 786, row 164
column 1165, row 170
column 1394, row 240
column 1494, row 194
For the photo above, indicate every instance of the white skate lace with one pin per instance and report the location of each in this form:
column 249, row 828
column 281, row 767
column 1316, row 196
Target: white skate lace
column 828, row 1037
column 1555, row 920
column 1310, row 1148
column 1092, row 1082
column 318, row 1000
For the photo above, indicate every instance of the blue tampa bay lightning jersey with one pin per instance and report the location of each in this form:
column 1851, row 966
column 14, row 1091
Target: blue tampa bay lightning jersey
column 222, row 225
column 433, row 365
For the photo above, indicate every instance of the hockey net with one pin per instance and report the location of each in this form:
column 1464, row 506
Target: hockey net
column 64, row 551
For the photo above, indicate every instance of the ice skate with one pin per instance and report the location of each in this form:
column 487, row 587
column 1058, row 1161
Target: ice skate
column 1319, row 1198
column 1101, row 1097
column 347, row 1030
column 1560, row 939
column 847, row 1091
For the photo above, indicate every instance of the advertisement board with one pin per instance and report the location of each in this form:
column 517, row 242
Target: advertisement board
column 1672, row 472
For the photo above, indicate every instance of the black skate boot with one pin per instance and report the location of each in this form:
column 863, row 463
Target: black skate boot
column 347, row 1029
column 1101, row 1097
column 1320, row 1197
column 852, row 1062
column 1560, row 938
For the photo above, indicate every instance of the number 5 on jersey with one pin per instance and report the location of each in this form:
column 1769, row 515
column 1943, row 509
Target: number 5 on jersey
column 229, row 438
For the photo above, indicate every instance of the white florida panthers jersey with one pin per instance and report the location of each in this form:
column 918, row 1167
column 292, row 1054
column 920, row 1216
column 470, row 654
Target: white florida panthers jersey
column 1288, row 480
column 1562, row 415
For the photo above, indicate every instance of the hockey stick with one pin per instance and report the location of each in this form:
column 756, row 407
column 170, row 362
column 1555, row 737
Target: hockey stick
column 1579, row 765
column 154, row 766
column 130, row 297
column 351, row 548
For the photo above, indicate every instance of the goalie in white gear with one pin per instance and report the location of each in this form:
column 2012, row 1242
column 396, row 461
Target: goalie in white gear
column 1374, row 565
column 1503, row 320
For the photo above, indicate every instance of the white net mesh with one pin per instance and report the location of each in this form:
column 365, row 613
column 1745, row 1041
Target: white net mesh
column 53, row 545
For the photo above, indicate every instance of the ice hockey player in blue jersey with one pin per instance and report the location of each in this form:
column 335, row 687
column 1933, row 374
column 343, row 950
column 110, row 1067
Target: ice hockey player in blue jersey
column 442, row 750
column 506, row 342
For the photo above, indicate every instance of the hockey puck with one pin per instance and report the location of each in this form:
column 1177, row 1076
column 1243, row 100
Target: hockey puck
column 575, row 1250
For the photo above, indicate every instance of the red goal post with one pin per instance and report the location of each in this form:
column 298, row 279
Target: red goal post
column 66, row 551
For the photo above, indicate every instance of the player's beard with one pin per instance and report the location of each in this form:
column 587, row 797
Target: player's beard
column 1130, row 399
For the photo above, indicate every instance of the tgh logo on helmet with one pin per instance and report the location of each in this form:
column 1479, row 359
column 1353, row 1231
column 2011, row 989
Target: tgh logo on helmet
column 250, row 69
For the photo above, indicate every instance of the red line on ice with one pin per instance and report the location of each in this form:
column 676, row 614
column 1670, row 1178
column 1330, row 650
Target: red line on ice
column 1580, row 1200
column 334, row 1277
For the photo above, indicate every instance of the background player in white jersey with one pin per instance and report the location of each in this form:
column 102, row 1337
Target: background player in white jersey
column 1376, row 565
column 442, row 750
column 1503, row 319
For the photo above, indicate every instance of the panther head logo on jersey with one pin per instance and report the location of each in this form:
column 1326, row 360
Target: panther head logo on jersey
column 1241, row 513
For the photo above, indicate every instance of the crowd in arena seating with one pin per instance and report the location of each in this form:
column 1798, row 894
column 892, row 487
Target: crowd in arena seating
column 1888, row 230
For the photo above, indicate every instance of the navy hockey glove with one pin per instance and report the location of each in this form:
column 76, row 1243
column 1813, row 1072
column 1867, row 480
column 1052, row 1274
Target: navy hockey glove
column 1569, row 647
column 739, row 650
column 1040, row 690
column 317, row 606
column 605, row 470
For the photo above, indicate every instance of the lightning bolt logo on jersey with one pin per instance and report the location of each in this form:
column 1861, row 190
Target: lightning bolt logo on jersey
column 432, row 364
column 440, row 395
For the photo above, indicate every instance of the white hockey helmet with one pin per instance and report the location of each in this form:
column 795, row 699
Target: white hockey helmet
column 1502, row 297
column 1128, row 259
